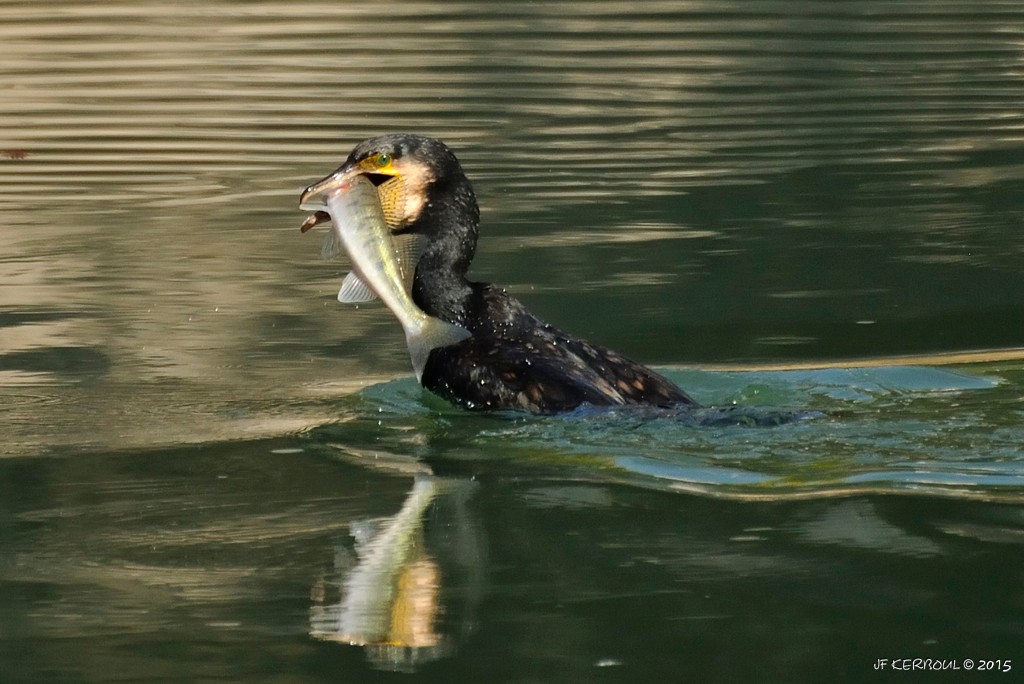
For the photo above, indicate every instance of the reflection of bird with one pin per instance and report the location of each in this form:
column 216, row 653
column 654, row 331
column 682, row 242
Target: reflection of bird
column 513, row 359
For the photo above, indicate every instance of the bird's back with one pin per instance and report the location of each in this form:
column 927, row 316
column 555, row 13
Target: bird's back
column 516, row 361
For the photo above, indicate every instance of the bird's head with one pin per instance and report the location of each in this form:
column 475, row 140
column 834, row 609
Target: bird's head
column 423, row 191
column 419, row 181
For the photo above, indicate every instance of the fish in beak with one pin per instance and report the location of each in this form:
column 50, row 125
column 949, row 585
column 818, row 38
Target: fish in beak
column 383, row 263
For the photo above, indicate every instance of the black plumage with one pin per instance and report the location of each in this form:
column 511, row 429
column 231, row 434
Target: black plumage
column 515, row 360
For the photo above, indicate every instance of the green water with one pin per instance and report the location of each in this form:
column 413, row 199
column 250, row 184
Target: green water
column 212, row 471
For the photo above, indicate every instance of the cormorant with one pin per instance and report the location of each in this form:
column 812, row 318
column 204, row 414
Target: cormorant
column 513, row 360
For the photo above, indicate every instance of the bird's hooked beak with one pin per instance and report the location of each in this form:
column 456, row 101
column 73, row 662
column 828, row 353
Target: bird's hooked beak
column 314, row 198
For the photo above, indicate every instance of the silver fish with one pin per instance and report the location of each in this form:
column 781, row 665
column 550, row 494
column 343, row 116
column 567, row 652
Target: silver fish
column 381, row 266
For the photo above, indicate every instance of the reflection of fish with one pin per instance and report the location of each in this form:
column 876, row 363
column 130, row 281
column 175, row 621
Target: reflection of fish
column 383, row 264
column 376, row 593
column 406, row 589
column 389, row 599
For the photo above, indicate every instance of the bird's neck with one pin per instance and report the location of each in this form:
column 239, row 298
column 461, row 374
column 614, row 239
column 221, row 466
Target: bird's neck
column 451, row 224
column 443, row 294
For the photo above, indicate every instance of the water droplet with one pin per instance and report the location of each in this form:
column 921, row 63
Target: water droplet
column 608, row 662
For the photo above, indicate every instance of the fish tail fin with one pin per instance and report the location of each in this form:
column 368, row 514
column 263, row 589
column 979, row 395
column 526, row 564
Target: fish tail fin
column 434, row 333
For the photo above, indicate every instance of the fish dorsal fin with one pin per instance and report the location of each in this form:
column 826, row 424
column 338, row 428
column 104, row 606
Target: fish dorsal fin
column 408, row 248
column 331, row 246
column 355, row 291
column 392, row 200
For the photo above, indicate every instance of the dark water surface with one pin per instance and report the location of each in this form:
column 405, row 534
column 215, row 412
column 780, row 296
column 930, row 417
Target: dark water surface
column 214, row 472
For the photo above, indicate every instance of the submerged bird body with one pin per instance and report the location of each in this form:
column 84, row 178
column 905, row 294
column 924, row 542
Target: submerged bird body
column 512, row 360
column 515, row 360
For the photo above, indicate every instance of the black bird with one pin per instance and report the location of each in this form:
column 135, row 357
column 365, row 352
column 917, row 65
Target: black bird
column 513, row 360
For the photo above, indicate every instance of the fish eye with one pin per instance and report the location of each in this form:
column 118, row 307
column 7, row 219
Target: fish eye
column 383, row 159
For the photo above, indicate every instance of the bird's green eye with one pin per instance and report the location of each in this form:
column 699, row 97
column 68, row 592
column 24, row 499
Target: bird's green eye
column 383, row 159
